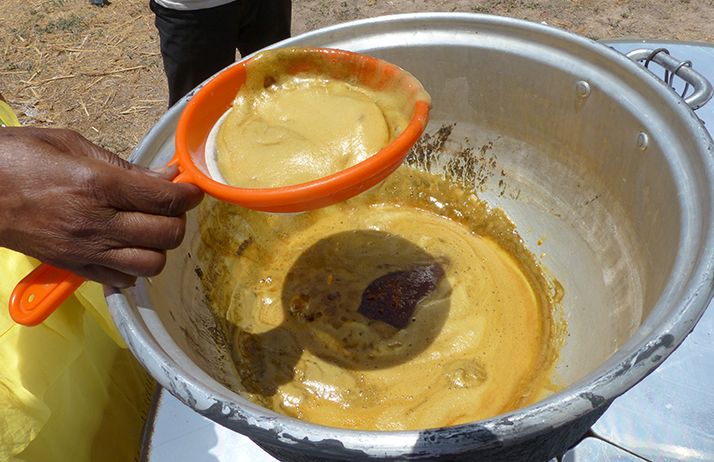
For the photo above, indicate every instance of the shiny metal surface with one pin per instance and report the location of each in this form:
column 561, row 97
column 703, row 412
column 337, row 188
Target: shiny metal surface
column 669, row 415
column 627, row 232
column 703, row 89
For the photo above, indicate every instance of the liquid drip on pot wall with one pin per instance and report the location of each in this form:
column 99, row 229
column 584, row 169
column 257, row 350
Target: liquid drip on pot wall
column 290, row 289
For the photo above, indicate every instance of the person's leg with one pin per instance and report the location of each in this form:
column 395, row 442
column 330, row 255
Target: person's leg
column 195, row 44
column 268, row 22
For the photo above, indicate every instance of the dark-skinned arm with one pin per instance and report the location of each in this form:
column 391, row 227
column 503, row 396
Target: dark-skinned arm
column 72, row 204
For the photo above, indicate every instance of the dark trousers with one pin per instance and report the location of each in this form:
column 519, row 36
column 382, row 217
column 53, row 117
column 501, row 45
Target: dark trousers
column 195, row 44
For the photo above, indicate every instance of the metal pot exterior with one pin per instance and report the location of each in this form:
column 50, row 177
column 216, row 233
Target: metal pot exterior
column 592, row 155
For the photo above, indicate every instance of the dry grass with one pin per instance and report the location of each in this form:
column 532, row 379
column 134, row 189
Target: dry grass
column 98, row 70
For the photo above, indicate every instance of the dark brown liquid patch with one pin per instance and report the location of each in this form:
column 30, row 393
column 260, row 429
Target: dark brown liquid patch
column 392, row 298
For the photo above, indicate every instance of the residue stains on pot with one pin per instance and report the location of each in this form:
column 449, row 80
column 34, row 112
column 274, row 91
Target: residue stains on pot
column 471, row 167
column 288, row 290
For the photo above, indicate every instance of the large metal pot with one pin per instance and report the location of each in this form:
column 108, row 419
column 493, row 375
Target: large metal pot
column 584, row 149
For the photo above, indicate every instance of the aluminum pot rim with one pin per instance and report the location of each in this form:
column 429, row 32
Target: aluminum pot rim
column 592, row 392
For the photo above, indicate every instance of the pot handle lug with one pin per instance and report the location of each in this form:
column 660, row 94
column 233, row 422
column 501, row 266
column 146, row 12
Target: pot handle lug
column 703, row 89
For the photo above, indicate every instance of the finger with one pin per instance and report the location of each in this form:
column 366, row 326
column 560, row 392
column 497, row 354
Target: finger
column 135, row 191
column 134, row 261
column 148, row 231
column 106, row 276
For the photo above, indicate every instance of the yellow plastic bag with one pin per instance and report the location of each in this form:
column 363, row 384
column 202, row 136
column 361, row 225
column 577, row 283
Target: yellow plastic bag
column 7, row 117
column 69, row 388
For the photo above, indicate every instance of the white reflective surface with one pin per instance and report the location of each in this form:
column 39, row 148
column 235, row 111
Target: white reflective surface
column 180, row 434
column 593, row 450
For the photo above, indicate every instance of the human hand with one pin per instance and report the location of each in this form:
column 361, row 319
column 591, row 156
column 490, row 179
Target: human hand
column 76, row 206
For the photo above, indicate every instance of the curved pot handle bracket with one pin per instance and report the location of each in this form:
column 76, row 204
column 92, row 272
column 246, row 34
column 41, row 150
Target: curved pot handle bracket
column 703, row 90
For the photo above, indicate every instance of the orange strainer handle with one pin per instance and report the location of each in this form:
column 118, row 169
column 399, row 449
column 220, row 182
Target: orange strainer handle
column 40, row 293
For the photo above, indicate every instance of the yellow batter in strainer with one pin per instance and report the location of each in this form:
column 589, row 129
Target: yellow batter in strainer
column 288, row 129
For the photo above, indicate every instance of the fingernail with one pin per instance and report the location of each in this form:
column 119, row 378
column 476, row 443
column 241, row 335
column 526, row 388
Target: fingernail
column 167, row 171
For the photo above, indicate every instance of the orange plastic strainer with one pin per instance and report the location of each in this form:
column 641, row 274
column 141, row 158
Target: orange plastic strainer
column 45, row 288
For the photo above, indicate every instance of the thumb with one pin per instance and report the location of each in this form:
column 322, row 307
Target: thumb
column 167, row 172
column 70, row 141
column 75, row 141
column 94, row 151
column 99, row 153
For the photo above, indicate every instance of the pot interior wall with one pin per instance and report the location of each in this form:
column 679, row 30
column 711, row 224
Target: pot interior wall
column 567, row 169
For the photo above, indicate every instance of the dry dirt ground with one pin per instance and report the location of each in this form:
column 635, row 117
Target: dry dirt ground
column 66, row 63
